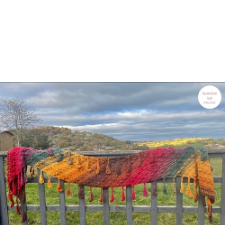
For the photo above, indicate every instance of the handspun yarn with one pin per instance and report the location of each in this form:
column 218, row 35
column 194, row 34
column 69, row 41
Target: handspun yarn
column 145, row 166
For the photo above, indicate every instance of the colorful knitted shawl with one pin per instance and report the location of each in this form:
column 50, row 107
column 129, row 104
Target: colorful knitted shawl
column 145, row 166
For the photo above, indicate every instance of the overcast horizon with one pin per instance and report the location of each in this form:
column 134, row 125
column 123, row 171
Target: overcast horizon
column 126, row 111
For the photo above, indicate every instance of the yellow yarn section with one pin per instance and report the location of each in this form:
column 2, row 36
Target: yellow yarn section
column 182, row 186
column 75, row 173
column 205, row 178
column 209, row 202
column 188, row 190
column 201, row 172
column 49, row 182
column 41, row 180
column 59, row 188
column 68, row 191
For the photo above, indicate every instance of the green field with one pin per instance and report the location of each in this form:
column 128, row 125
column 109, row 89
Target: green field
column 96, row 218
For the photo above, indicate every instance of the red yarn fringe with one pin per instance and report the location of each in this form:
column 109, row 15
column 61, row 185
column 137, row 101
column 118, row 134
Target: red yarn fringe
column 123, row 195
column 102, row 198
column 112, row 196
column 91, row 196
column 145, row 192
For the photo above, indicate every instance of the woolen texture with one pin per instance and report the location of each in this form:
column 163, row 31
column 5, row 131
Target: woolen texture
column 145, row 166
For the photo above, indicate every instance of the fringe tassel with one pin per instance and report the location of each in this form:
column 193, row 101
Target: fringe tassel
column 112, row 196
column 31, row 169
column 91, row 196
column 209, row 203
column 68, row 191
column 210, row 219
column 80, row 193
column 133, row 193
column 182, row 185
column 41, row 180
column 203, row 201
column 10, row 198
column 59, row 188
column 209, row 210
column 108, row 171
column 145, row 192
column 123, row 195
column 17, row 207
column 70, row 161
column 98, row 167
column 102, row 198
column 188, row 190
column 49, row 182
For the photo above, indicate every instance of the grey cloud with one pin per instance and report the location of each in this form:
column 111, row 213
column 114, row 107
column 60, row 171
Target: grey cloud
column 134, row 111
column 102, row 97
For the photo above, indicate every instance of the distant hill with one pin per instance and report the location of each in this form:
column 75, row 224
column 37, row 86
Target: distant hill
column 64, row 138
column 207, row 143
column 60, row 137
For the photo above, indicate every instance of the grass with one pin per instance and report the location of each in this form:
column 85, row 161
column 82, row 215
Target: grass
column 116, row 218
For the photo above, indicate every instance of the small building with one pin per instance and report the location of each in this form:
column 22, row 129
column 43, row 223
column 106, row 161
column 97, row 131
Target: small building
column 6, row 141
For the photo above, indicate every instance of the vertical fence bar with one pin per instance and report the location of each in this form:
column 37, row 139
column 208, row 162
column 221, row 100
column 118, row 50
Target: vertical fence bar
column 201, row 213
column 179, row 202
column 4, row 211
column 106, row 206
column 62, row 205
column 41, row 189
column 129, row 205
column 153, row 204
column 223, row 191
column 82, row 207
column 25, row 209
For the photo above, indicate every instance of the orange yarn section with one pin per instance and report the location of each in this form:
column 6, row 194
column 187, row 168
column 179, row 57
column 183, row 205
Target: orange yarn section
column 201, row 173
column 71, row 174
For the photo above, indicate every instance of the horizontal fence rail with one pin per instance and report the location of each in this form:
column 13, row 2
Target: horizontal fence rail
column 154, row 209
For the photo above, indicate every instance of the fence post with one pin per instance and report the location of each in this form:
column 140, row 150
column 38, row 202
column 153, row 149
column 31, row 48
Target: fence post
column 179, row 201
column 223, row 191
column 3, row 203
column 153, row 204
column 129, row 205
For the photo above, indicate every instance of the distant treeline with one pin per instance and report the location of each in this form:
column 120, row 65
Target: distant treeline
column 59, row 137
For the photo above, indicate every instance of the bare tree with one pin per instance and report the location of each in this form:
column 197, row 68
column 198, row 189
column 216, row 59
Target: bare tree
column 18, row 116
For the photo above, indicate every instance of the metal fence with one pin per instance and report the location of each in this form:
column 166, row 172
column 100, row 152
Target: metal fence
column 179, row 209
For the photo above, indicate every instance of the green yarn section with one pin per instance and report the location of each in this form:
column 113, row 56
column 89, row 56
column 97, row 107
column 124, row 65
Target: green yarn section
column 43, row 155
column 180, row 161
column 183, row 160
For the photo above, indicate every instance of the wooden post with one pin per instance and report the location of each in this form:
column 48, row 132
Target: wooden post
column 6, row 141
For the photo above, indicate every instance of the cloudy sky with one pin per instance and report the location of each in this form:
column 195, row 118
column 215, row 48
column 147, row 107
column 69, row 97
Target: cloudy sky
column 127, row 111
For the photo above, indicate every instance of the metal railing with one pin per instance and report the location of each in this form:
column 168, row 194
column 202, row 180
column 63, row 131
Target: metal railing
column 179, row 209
